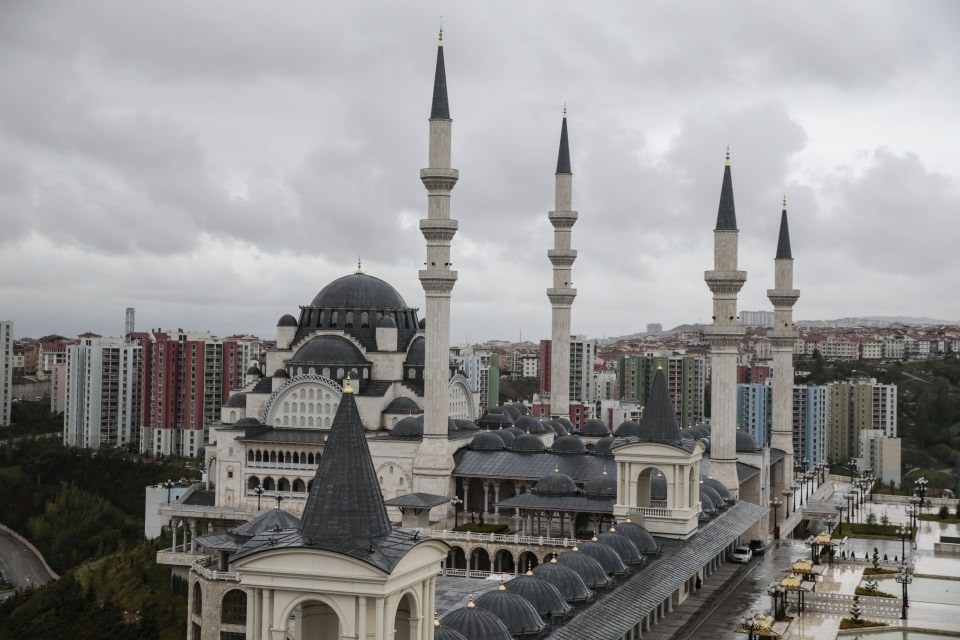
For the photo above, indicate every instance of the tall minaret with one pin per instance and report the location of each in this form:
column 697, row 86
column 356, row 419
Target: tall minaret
column 433, row 462
column 725, row 337
column 562, row 293
column 782, row 336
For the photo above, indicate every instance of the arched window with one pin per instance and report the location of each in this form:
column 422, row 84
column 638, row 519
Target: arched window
column 412, row 373
column 296, row 457
column 253, row 483
column 340, row 373
column 288, row 458
column 310, row 421
column 233, row 416
column 364, row 320
column 283, row 485
column 197, row 599
column 286, row 421
column 268, row 484
column 348, row 324
column 334, row 317
column 323, row 317
column 233, row 609
column 309, row 458
column 326, row 372
column 298, row 486
column 249, row 456
column 303, row 422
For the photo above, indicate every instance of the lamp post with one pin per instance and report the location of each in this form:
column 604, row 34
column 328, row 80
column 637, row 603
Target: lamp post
column 904, row 577
column 776, row 592
column 921, row 486
column 840, row 508
column 259, row 491
column 776, row 502
column 279, row 499
column 903, row 531
column 849, row 497
column 830, row 524
column 810, row 486
column 786, row 494
column 796, row 489
column 456, row 502
column 168, row 485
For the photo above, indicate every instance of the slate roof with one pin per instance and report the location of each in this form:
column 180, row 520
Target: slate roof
column 417, row 501
column 726, row 213
column 563, row 157
column 783, row 242
column 281, row 435
column 511, row 464
column 234, row 538
column 625, row 606
column 441, row 106
column 659, row 417
column 580, row 503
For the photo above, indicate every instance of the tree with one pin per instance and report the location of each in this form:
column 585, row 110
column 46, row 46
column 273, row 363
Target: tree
column 944, row 512
column 855, row 612
column 876, row 559
column 885, row 520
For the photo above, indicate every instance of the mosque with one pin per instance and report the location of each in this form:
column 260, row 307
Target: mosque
column 363, row 422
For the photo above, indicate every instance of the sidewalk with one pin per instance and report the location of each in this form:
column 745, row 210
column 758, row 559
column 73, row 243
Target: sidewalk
column 684, row 616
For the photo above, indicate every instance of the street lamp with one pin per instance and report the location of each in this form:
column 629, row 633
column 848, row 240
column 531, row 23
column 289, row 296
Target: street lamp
column 921, row 487
column 904, row 532
column 904, row 577
column 786, row 494
column 840, row 509
column 456, row 502
column 776, row 593
column 279, row 499
column 259, row 491
column 168, row 485
column 849, row 497
column 775, row 503
column 796, row 489
column 809, row 476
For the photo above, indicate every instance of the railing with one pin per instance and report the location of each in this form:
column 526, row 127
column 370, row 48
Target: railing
column 290, row 466
column 200, row 566
column 842, row 602
column 653, row 512
column 298, row 495
column 467, row 536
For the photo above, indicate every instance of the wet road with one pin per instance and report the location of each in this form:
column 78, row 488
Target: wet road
column 19, row 564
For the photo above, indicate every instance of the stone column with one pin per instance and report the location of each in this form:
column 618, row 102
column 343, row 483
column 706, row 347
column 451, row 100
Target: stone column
column 496, row 497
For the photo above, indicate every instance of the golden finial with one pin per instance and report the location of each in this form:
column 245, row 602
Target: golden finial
column 441, row 31
column 501, row 587
column 594, row 538
column 470, row 604
column 346, row 384
column 728, row 155
column 613, row 529
column 359, row 266
column 553, row 560
column 659, row 366
column 436, row 618
column 575, row 549
column 556, row 469
column 529, row 572
column 564, row 109
column 784, row 202
column 604, row 470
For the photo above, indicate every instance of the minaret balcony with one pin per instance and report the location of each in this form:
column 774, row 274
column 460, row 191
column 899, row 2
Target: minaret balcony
column 439, row 281
column 561, row 297
column 437, row 230
column 725, row 281
column 783, row 297
column 439, row 180
column 562, row 219
column 562, row 257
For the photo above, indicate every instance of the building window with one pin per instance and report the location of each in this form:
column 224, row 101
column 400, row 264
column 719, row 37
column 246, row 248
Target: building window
column 234, row 607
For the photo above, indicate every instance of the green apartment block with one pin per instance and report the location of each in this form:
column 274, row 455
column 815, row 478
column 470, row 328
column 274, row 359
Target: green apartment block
column 686, row 381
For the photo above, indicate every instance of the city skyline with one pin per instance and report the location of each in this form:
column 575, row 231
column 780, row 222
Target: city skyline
column 215, row 166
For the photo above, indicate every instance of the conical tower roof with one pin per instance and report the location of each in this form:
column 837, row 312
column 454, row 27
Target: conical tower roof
column 783, row 242
column 441, row 107
column 726, row 214
column 563, row 157
column 659, row 417
column 345, row 502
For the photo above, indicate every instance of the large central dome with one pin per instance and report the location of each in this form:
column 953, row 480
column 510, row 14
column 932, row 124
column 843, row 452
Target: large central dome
column 358, row 291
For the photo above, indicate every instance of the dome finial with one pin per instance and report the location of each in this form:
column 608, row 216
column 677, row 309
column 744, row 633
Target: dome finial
column 502, row 587
column 436, row 618
column 346, row 384
column 359, row 266
column 564, row 109
column 728, row 155
column 784, row 202
column 470, row 604
column 441, row 31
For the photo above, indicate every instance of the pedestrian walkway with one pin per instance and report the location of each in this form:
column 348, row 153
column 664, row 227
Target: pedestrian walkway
column 684, row 617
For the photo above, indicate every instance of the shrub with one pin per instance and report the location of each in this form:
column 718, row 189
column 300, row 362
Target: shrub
column 944, row 512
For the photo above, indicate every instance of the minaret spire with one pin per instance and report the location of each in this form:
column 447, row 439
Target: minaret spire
column 562, row 293
column 725, row 336
column 433, row 462
column 782, row 337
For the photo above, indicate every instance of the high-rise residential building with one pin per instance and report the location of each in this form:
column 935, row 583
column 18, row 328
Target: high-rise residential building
column 853, row 406
column 529, row 365
column 493, row 381
column 582, row 355
column 6, row 371
column 53, row 350
column 880, row 454
column 187, row 376
column 810, row 423
column 654, row 327
column 754, row 411
column 686, row 381
column 102, row 393
column 756, row 318
column 475, row 364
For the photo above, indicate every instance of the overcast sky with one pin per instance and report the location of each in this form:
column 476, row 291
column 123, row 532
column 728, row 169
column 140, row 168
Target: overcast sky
column 215, row 164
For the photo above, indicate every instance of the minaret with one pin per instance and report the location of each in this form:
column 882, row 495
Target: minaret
column 562, row 293
column 433, row 462
column 725, row 337
column 782, row 336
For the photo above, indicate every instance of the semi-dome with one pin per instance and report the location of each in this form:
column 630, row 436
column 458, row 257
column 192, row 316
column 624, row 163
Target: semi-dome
column 556, row 484
column 281, row 373
column 594, row 428
column 515, row 611
column 603, row 446
column 604, row 554
column 475, row 623
column 417, row 353
column 745, row 441
column 567, row 581
column 487, row 441
column 386, row 322
column 237, row 400
column 529, row 424
column 528, row 443
column 592, row 572
column 287, row 320
column 568, row 444
column 719, row 487
column 545, row 598
column 254, row 370
column 628, row 428
column 495, row 420
column 640, row 536
column 328, row 349
column 358, row 291
column 403, row 404
column 512, row 411
column 464, row 425
column 441, row 632
column 408, row 427
column 249, row 421
column 624, row 546
column 601, row 486
column 507, row 436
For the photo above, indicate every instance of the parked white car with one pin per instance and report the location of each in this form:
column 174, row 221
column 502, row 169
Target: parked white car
column 741, row 555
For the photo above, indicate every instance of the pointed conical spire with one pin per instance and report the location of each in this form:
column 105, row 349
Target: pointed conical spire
column 659, row 416
column 563, row 158
column 726, row 214
column 345, row 502
column 783, row 243
column 441, row 108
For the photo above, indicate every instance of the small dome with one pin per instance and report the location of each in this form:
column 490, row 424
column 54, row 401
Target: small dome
column 567, row 581
column 237, row 400
column 281, row 373
column 507, row 436
column 719, row 488
column 417, row 353
column 556, row 484
column 628, row 428
column 423, row 323
column 608, row 558
column 745, row 441
column 476, row 623
column 528, row 443
column 386, row 322
column 249, row 421
column 602, row 486
column 403, row 405
column 566, row 424
column 465, row 425
column 568, row 444
column 529, row 424
column 640, row 536
column 522, row 408
column 557, row 427
column 594, row 427
column 287, row 320
column 441, row 632
column 700, row 431
column 515, row 430
column 706, row 502
column 603, row 445
column 496, row 410
column 511, row 411
column 592, row 572
column 487, row 441
column 515, row 611
column 623, row 545
column 254, row 370
column 328, row 349
column 545, row 598
column 495, row 420
column 408, row 427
